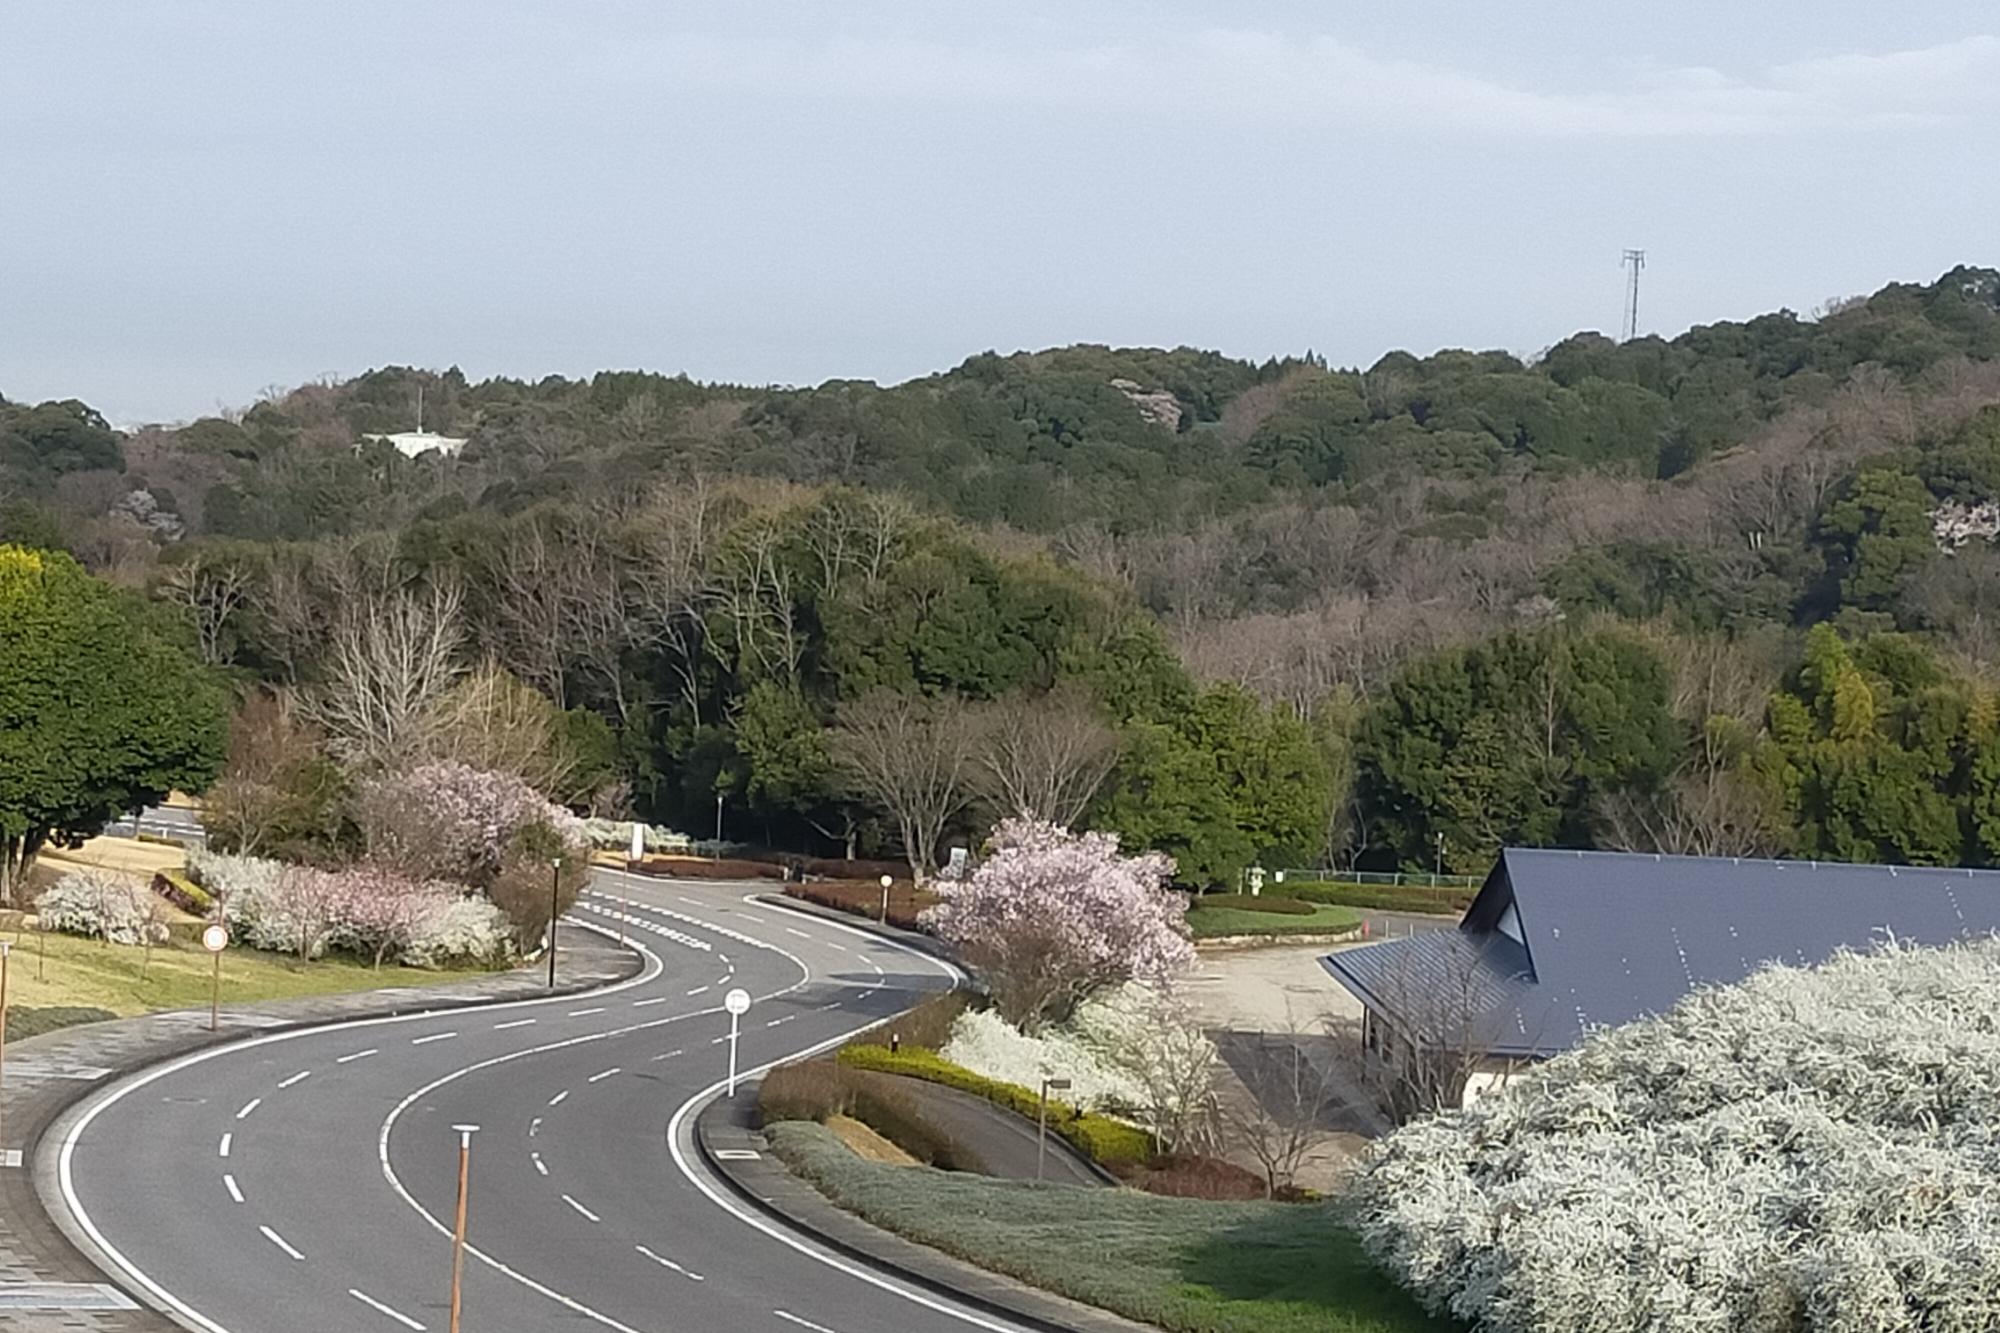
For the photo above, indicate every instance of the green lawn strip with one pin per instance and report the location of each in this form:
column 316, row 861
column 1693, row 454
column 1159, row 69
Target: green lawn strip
column 1381, row 897
column 1186, row 1265
column 1207, row 923
column 91, row 980
column 1108, row 1142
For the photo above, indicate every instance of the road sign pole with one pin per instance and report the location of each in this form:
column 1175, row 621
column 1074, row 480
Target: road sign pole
column 465, row 1133
column 737, row 1002
column 732, row 1054
column 215, row 994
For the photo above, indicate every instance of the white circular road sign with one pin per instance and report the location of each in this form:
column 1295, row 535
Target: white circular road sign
column 737, row 1002
column 215, row 937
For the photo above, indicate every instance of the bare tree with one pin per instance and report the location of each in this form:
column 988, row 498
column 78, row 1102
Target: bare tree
column 910, row 757
column 1282, row 1113
column 493, row 721
column 392, row 659
column 672, row 551
column 209, row 590
column 270, row 787
column 1042, row 757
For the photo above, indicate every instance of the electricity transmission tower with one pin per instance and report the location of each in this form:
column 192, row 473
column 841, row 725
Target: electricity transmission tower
column 1635, row 260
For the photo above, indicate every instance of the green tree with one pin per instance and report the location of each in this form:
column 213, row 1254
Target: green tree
column 1880, row 536
column 99, row 714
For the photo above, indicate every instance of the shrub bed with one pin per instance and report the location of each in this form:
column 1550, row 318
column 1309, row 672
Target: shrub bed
column 817, row 1089
column 1110, row 1143
column 1246, row 902
column 861, row 898
column 1207, row 923
column 695, row 867
column 928, row 1026
column 184, row 893
column 1381, row 897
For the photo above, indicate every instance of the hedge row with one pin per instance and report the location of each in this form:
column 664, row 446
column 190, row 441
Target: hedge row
column 184, row 893
column 1243, row 902
column 861, row 898
column 819, row 1089
column 697, row 867
column 1108, row 1142
column 1382, row 897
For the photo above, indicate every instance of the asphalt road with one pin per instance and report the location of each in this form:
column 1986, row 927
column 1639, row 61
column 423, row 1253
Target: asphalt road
column 308, row 1180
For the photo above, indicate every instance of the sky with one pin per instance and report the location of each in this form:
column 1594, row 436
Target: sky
column 207, row 200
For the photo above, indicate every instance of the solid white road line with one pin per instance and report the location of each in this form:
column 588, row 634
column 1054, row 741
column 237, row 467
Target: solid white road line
column 249, row 1106
column 665, row 1262
column 223, row 1149
column 585, row 1013
column 559, row 1098
column 435, row 1036
column 599, row 1078
column 280, row 1242
column 358, row 1055
column 229, row 1183
column 789, row 1317
column 581, row 1209
column 517, row 1023
column 380, row 1308
column 296, row 1079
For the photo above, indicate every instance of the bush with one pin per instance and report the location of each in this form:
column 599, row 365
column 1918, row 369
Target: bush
column 230, row 878
column 1244, row 902
column 991, row 1047
column 1381, row 897
column 99, row 907
column 1108, row 1142
column 817, row 1089
column 183, row 893
column 1190, row 1176
column 1812, row 1151
column 861, row 898
column 928, row 1025
column 695, row 867
column 460, row 932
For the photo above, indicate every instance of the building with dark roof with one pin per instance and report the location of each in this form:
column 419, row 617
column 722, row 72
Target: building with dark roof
column 1559, row 943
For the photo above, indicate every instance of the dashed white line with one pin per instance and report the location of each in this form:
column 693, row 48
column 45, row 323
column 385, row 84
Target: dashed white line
column 786, row 1019
column 559, row 1098
column 831, row 945
column 791, row 1318
column 581, row 1209
column 665, row 1262
column 667, row 1055
column 599, row 1078
column 793, row 930
column 540, row 1166
column 698, row 990
column 296, row 1079
column 227, row 1139
column 249, row 1106
column 380, row 1308
column 435, row 1036
column 517, row 1023
column 584, row 1013
column 717, row 1041
column 691, row 902
column 657, row 999
column 534, row 1127
column 358, row 1055
column 747, row 917
column 229, row 1183
column 825, row 1007
column 280, row 1242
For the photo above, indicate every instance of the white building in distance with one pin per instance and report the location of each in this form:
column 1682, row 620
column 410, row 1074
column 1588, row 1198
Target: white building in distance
column 410, row 443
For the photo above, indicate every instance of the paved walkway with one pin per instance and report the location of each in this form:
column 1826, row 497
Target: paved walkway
column 1004, row 1143
column 46, row 1074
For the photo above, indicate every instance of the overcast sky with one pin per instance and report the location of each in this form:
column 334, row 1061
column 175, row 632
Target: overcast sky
column 206, row 199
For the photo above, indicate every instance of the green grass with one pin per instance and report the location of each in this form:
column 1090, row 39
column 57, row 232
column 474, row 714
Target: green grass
column 1186, row 1265
column 93, row 980
column 1207, row 923
column 1382, row 897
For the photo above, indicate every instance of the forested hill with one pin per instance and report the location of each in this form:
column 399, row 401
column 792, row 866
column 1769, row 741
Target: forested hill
column 1319, row 537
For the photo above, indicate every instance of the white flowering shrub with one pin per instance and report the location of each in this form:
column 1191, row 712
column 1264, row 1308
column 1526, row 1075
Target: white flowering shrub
column 615, row 835
column 1810, row 1151
column 988, row 1044
column 460, row 932
column 100, row 907
column 235, row 881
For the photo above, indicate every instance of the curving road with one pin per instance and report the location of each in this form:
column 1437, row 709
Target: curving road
column 307, row 1180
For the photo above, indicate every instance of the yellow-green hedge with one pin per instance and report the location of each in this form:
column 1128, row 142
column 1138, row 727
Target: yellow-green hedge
column 1105, row 1141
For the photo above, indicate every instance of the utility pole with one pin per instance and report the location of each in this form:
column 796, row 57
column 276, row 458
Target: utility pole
column 1635, row 260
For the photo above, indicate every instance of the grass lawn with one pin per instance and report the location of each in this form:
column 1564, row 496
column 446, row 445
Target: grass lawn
column 1187, row 1265
column 1209, row 922
column 92, row 980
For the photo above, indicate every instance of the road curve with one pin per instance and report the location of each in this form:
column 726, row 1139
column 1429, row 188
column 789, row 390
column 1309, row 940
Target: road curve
column 307, row 1180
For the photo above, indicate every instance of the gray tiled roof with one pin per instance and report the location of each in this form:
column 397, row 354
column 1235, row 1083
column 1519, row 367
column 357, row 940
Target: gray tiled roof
column 1609, row 937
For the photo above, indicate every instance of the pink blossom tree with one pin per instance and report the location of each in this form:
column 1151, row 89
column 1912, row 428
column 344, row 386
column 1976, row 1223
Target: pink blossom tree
column 454, row 822
column 382, row 908
column 1050, row 918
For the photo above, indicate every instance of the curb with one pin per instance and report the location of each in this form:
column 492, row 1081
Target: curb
column 772, row 1188
column 40, row 1144
column 1274, row 941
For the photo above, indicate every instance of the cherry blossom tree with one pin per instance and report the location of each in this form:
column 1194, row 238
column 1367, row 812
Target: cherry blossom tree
column 455, row 822
column 1050, row 918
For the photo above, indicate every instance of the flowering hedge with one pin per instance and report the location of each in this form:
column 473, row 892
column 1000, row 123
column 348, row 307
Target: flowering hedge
column 1811, row 1150
column 100, row 907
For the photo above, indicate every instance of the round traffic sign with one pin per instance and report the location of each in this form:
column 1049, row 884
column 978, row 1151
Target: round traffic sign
column 215, row 937
column 737, row 1002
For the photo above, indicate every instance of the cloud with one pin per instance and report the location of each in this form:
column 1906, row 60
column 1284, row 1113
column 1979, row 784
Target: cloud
column 1261, row 77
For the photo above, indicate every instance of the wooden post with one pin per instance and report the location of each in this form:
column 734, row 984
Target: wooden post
column 458, row 1232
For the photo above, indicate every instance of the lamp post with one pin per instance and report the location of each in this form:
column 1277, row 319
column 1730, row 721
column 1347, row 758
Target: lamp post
column 555, row 889
column 1042, row 1122
column 465, row 1133
column 887, row 880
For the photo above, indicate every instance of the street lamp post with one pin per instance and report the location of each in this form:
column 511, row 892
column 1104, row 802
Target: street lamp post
column 555, row 889
column 887, row 880
column 465, row 1133
column 1049, row 1085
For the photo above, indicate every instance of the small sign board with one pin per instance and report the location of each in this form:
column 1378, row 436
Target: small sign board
column 215, row 937
column 638, row 841
column 737, row 1001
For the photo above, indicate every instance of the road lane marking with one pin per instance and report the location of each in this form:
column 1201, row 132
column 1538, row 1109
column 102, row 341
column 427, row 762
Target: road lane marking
column 358, row 1055
column 380, row 1308
column 825, row 1007
column 717, row 1041
column 665, row 1262
column 539, row 1165
column 667, row 1056
column 435, row 1036
column 698, row 990
column 790, row 930
column 786, row 1019
column 280, row 1242
column 296, row 1079
column 249, row 1106
column 789, row 1317
column 747, row 917
column 831, row 945
column 657, row 999
column 229, row 1183
column 599, row 1078
column 691, row 902
column 534, row 1127
column 517, row 1023
column 227, row 1139
column 585, row 1013
column 581, row 1209
column 559, row 1098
